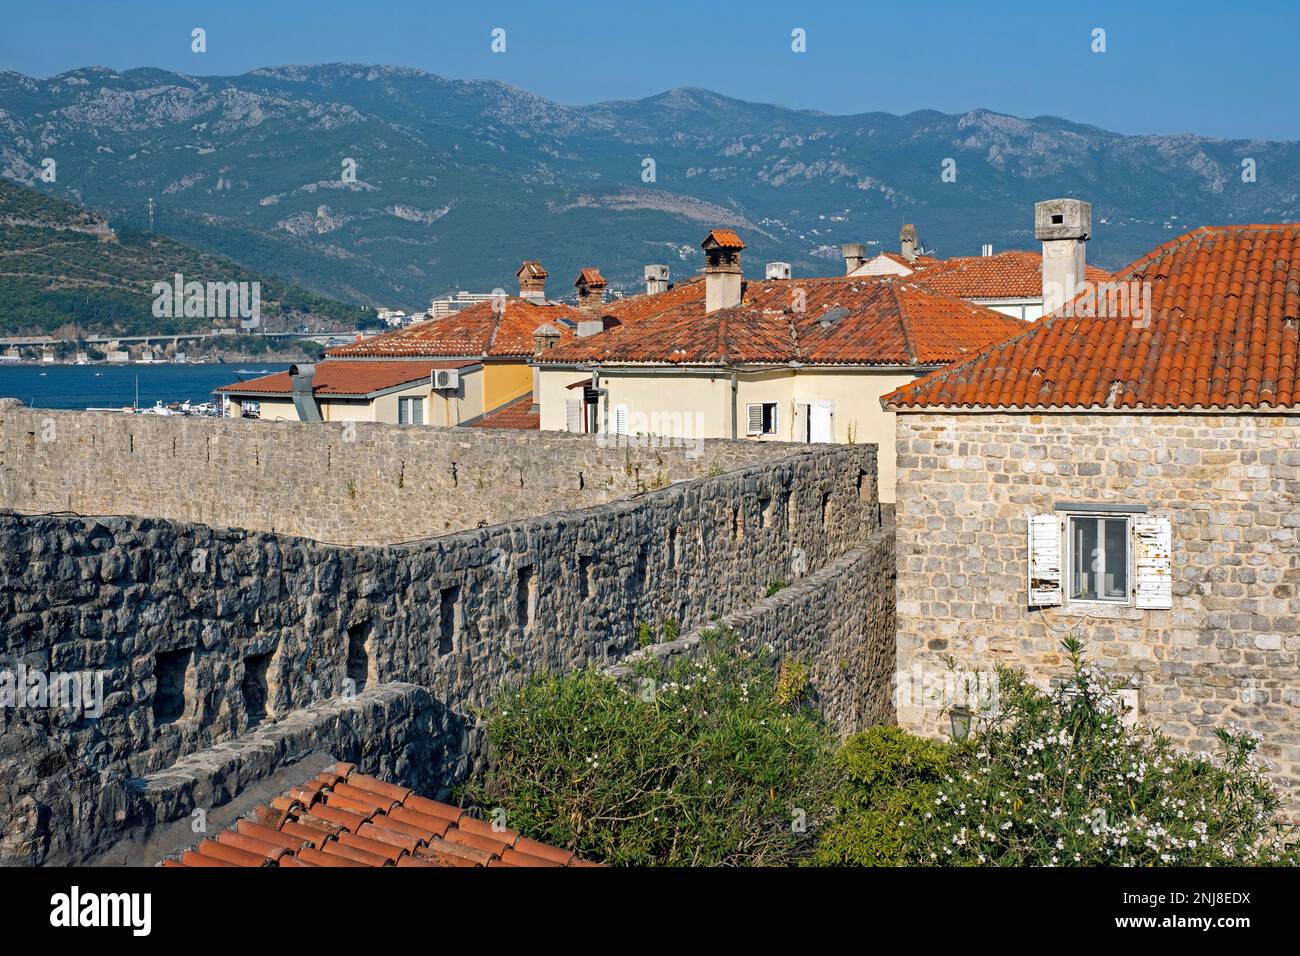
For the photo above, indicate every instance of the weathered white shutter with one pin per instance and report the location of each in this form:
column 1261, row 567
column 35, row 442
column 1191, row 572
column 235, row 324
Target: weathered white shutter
column 620, row 419
column 755, row 413
column 1153, row 539
column 801, row 421
column 573, row 415
column 1044, row 561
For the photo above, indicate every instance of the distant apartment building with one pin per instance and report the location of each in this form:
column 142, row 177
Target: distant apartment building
column 442, row 307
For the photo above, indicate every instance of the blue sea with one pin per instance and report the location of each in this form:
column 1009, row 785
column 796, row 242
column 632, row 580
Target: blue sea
column 112, row 386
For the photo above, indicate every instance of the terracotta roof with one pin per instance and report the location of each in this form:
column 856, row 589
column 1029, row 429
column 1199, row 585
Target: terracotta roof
column 871, row 321
column 1221, row 333
column 590, row 277
column 1013, row 274
column 724, row 239
column 533, row 268
column 345, row 378
column 479, row 330
column 516, row 414
column 342, row 818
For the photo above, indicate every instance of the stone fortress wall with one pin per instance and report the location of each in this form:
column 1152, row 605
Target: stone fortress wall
column 227, row 653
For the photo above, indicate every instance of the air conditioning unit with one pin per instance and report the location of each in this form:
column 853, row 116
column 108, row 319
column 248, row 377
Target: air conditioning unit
column 444, row 379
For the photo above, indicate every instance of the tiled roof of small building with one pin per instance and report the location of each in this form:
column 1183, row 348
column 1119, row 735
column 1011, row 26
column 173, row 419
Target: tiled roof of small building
column 516, row 414
column 342, row 818
column 480, row 330
column 345, row 378
column 1013, row 274
column 590, row 277
column 1221, row 333
column 871, row 321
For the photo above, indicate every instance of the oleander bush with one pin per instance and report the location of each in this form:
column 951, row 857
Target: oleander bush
column 707, row 760
column 1053, row 779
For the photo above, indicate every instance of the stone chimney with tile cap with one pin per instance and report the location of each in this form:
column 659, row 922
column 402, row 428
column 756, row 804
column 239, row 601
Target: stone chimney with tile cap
column 656, row 279
column 909, row 243
column 723, row 280
column 591, row 291
column 855, row 256
column 532, row 281
column 1064, row 227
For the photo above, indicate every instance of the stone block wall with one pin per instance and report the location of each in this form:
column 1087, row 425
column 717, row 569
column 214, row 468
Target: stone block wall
column 1229, row 649
column 205, row 634
column 346, row 483
column 839, row 621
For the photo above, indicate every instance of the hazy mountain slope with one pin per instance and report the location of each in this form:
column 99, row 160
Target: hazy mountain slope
column 62, row 265
column 458, row 181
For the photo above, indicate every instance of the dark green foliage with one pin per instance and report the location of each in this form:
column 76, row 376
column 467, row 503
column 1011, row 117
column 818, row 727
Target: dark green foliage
column 691, row 762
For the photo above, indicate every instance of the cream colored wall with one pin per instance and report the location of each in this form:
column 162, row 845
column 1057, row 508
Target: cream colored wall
column 706, row 402
column 464, row 404
column 1026, row 309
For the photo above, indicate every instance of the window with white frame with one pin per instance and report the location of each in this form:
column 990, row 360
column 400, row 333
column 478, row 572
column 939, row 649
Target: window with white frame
column 762, row 418
column 1098, row 557
column 1083, row 556
column 410, row 411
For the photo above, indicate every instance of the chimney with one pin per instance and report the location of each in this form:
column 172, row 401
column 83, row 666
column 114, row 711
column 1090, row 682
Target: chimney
column 656, row 279
column 723, row 280
column 302, row 381
column 986, row 250
column 778, row 270
column 855, row 256
column 532, row 281
column 909, row 244
column 591, row 291
column 545, row 336
column 1063, row 226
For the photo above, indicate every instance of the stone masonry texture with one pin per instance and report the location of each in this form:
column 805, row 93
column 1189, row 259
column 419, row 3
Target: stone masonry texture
column 1229, row 649
column 219, row 646
column 359, row 483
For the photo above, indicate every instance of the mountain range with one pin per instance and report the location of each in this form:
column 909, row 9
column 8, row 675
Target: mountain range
column 387, row 186
column 65, row 270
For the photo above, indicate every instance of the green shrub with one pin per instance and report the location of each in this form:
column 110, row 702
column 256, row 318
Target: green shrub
column 1059, row 779
column 891, row 776
column 693, row 761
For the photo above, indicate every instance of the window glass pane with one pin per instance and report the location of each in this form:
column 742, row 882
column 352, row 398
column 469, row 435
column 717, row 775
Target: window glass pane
column 1085, row 558
column 417, row 411
column 1115, row 582
column 403, row 411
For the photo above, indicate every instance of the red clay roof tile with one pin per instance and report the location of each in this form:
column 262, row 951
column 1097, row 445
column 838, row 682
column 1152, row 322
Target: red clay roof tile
column 345, row 378
column 829, row 321
column 414, row 832
column 516, row 414
column 1220, row 332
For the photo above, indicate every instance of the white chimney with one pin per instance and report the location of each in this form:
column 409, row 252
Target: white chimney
column 1064, row 226
column 723, row 281
column 986, row 250
column 855, row 255
column 778, row 270
column 909, row 243
column 656, row 279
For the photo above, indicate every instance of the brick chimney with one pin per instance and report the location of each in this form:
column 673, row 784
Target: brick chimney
column 532, row 281
column 909, row 244
column 591, row 291
column 656, row 279
column 855, row 255
column 723, row 280
column 1064, row 227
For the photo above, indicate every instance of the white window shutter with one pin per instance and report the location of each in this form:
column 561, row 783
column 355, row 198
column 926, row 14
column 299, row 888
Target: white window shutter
column 1044, row 561
column 801, row 422
column 620, row 419
column 1153, row 539
column 573, row 415
column 755, row 413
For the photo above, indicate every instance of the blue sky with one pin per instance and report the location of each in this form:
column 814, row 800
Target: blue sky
column 1192, row 66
